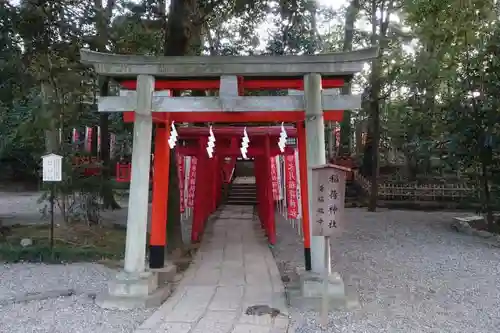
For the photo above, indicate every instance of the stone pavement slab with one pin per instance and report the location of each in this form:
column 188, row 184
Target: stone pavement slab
column 233, row 270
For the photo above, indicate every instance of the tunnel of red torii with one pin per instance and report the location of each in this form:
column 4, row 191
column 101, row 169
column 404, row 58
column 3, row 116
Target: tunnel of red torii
column 218, row 170
column 148, row 106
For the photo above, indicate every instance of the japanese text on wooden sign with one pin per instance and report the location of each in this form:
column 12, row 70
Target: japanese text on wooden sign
column 327, row 200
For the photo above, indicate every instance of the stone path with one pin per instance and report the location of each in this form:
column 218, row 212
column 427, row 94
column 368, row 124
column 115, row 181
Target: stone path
column 244, row 180
column 233, row 270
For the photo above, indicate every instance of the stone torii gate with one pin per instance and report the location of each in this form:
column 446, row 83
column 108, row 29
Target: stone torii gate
column 231, row 76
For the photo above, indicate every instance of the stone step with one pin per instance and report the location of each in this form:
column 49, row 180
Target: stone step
column 252, row 189
column 233, row 199
column 241, row 203
column 237, row 188
column 243, row 192
column 241, row 198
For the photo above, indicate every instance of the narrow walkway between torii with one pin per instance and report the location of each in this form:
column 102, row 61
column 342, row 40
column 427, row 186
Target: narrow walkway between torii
column 234, row 270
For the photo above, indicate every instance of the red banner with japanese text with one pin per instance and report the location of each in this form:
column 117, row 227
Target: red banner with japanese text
column 291, row 187
column 192, row 181
column 274, row 179
column 181, row 174
column 88, row 139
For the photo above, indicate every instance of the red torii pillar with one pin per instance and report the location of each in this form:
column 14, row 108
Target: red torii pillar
column 269, row 200
column 214, row 161
column 158, row 236
column 200, row 195
column 302, row 146
column 259, row 184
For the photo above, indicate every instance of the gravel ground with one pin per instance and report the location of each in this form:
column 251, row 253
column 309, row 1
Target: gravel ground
column 412, row 272
column 73, row 314
column 65, row 314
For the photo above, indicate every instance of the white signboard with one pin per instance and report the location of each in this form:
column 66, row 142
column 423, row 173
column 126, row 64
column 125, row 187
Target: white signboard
column 328, row 199
column 52, row 168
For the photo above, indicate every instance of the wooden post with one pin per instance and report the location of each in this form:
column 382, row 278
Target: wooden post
column 158, row 237
column 218, row 173
column 215, row 183
column 222, row 161
column 263, row 190
column 326, row 275
column 265, row 206
column 234, row 145
column 260, row 187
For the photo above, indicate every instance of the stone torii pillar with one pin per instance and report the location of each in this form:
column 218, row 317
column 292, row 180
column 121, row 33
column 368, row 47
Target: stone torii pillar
column 136, row 286
column 316, row 150
column 135, row 245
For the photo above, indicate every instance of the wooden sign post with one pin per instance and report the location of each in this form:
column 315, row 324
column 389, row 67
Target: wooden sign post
column 52, row 173
column 328, row 215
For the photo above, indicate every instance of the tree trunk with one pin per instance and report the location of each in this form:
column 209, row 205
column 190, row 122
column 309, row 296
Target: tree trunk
column 107, row 194
column 359, row 137
column 178, row 37
column 345, row 133
column 51, row 133
column 375, row 115
column 345, row 125
column 330, row 141
column 487, row 197
column 379, row 36
column 102, row 20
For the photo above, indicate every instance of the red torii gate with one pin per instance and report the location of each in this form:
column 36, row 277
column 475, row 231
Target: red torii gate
column 232, row 76
column 210, row 177
column 209, row 187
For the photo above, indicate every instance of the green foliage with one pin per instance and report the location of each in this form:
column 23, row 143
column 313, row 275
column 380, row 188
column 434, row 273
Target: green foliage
column 20, row 141
column 435, row 56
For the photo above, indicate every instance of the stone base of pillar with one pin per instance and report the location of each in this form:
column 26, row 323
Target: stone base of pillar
column 132, row 291
column 308, row 294
column 167, row 274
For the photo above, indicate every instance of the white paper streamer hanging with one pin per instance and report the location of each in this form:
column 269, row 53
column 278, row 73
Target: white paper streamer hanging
column 172, row 140
column 244, row 144
column 211, row 143
column 282, row 139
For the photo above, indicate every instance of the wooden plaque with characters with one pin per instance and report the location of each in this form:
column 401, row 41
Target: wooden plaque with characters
column 328, row 199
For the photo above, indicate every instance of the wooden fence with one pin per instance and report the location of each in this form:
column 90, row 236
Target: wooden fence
column 415, row 192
